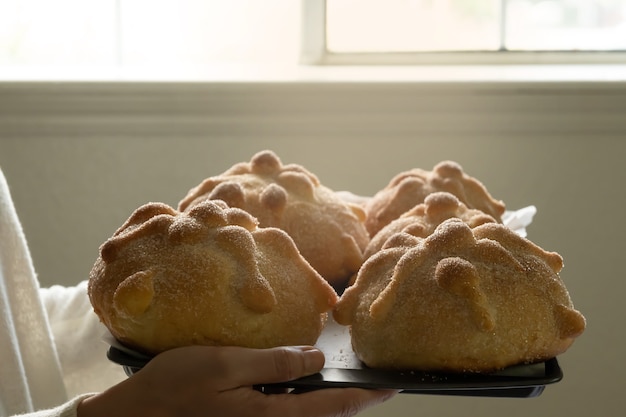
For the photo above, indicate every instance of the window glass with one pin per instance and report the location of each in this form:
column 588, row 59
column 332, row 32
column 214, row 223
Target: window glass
column 200, row 32
column 59, row 32
column 136, row 33
column 409, row 25
column 566, row 25
column 375, row 26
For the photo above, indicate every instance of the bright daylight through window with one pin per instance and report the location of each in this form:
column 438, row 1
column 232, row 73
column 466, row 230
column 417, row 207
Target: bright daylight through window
column 376, row 26
column 147, row 33
column 156, row 35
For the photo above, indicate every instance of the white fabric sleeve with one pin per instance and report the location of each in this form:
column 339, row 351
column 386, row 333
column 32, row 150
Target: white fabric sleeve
column 30, row 374
column 78, row 337
column 65, row 410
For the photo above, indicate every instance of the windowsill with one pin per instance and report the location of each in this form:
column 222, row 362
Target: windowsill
column 568, row 73
column 469, row 73
column 372, row 102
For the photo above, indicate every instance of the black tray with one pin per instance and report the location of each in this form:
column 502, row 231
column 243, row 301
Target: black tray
column 344, row 369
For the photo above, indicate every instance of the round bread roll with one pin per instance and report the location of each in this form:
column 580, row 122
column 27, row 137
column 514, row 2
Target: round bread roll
column 410, row 188
column 460, row 300
column 207, row 276
column 421, row 220
column 329, row 232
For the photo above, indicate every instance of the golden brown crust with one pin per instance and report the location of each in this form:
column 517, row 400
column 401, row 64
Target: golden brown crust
column 421, row 220
column 461, row 299
column 410, row 188
column 329, row 232
column 445, row 287
column 207, row 276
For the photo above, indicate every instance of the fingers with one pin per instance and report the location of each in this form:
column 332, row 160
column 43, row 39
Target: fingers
column 328, row 402
column 221, row 379
column 245, row 367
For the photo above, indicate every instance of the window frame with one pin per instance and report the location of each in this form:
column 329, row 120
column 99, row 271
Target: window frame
column 315, row 52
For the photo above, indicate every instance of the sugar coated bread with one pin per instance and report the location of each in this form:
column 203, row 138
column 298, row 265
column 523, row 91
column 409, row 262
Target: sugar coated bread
column 460, row 300
column 421, row 220
column 410, row 188
column 208, row 276
column 329, row 232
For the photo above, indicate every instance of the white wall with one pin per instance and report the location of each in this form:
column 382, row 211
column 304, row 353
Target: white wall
column 81, row 157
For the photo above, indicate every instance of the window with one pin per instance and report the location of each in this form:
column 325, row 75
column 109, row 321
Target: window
column 397, row 31
column 146, row 33
column 161, row 39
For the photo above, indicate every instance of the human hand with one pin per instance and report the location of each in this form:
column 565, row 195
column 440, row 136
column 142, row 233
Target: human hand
column 218, row 381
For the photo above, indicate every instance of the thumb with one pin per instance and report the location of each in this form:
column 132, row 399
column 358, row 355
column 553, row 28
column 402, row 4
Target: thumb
column 266, row 366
